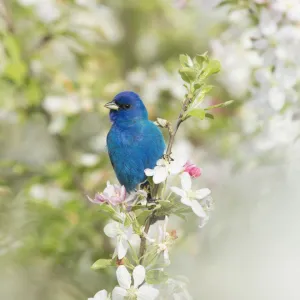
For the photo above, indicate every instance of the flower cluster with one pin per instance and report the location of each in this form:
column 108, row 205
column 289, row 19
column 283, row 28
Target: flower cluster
column 140, row 257
column 261, row 45
column 127, row 224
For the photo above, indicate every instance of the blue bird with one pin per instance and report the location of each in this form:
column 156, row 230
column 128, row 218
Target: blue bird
column 134, row 143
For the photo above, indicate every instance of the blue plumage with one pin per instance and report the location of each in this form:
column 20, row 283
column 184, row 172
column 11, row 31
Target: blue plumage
column 134, row 143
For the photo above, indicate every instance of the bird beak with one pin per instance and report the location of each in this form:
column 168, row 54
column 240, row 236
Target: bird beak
column 111, row 105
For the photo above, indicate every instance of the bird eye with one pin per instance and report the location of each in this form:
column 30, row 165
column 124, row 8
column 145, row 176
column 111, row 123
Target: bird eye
column 127, row 106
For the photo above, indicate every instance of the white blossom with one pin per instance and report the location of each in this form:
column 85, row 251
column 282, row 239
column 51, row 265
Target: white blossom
column 190, row 197
column 101, row 295
column 164, row 240
column 138, row 290
column 121, row 234
column 163, row 169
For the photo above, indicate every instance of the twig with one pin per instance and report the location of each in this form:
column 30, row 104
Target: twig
column 7, row 16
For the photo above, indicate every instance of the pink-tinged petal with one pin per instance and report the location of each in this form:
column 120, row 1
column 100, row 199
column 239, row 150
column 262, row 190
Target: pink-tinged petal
column 198, row 209
column 202, row 193
column 146, row 292
column 186, row 201
column 160, row 174
column 123, row 193
column 98, row 199
column 123, row 277
column 192, row 169
column 119, row 293
column 109, row 190
column 186, row 181
column 178, row 191
column 149, row 172
column 138, row 274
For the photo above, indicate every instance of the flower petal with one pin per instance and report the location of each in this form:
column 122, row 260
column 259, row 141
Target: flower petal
column 166, row 256
column 198, row 209
column 101, row 295
column 160, row 174
column 139, row 274
column 186, row 201
column 175, row 167
column 122, row 248
column 178, row 191
column 202, row 193
column 119, row 293
column 149, row 172
column 122, row 193
column 123, row 277
column 147, row 292
column 161, row 162
column 111, row 229
column 186, row 181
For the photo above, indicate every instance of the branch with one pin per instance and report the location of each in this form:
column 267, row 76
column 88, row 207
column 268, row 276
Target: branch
column 7, row 16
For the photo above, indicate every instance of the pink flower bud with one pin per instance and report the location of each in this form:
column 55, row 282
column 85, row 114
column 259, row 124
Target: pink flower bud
column 192, row 169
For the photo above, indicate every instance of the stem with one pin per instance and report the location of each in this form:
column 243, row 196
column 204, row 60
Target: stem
column 143, row 246
column 152, row 217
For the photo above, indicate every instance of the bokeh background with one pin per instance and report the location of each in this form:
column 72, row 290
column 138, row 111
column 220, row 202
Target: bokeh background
column 62, row 60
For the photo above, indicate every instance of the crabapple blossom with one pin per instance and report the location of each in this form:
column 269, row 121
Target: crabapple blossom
column 101, row 295
column 162, row 169
column 121, row 234
column 189, row 197
column 113, row 194
column 138, row 290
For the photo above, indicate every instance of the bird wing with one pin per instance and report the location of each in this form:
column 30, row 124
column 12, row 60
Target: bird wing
column 132, row 150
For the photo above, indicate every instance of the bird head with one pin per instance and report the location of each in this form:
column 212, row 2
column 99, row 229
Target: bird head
column 125, row 107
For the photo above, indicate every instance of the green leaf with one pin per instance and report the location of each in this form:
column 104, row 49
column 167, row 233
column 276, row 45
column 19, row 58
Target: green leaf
column 209, row 116
column 16, row 71
column 201, row 58
column 212, row 67
column 219, row 105
column 12, row 48
column 206, row 89
column 101, row 264
column 141, row 218
column 185, row 60
column 190, row 73
column 165, row 208
column 227, row 2
column 107, row 208
column 184, row 77
column 197, row 86
column 198, row 113
column 156, row 277
column 127, row 222
column 110, row 212
column 33, row 92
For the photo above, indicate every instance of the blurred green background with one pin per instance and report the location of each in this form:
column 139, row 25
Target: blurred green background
column 60, row 62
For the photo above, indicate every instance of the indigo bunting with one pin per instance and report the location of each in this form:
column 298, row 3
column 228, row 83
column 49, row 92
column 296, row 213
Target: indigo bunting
column 134, row 143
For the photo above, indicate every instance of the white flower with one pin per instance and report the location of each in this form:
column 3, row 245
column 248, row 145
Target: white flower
column 101, row 295
column 164, row 240
column 125, row 289
column 122, row 235
column 163, row 169
column 189, row 197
